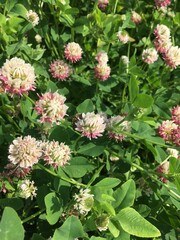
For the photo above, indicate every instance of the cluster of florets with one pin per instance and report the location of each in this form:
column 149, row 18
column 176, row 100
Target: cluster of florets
column 17, row 77
column 163, row 169
column 73, row 52
column 84, row 201
column 136, row 18
column 51, row 107
column 125, row 60
column 170, row 129
column 102, row 222
column 27, row 189
column 56, row 154
column 102, row 70
column 123, row 37
column 102, row 4
column 60, row 70
column 91, row 125
column 163, row 44
column 32, row 17
column 27, row 151
column 149, row 55
column 162, row 3
column 117, row 128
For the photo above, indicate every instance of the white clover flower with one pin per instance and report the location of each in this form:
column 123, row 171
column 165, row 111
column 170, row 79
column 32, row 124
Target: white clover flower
column 149, row 55
column 25, row 152
column 102, row 222
column 27, row 189
column 91, row 125
column 17, row 76
column 38, row 38
column 125, row 60
column 173, row 152
column 56, row 154
column 32, row 17
column 84, row 201
column 123, row 37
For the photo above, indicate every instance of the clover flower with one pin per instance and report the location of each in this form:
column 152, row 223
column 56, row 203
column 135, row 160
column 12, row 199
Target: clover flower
column 162, row 41
column 166, row 130
column 162, row 3
column 136, row 18
column 102, row 4
column 175, row 111
column 125, row 60
column 123, row 37
column 27, row 189
column 84, row 201
column 17, row 171
column 163, row 168
column 60, row 70
column 102, row 222
column 91, row 125
column 115, row 126
column 56, row 154
column 173, row 152
column 176, row 136
column 102, row 58
column 51, row 107
column 102, row 72
column 172, row 57
column 25, row 152
column 17, row 76
column 32, row 17
column 149, row 55
column 38, row 38
column 73, row 52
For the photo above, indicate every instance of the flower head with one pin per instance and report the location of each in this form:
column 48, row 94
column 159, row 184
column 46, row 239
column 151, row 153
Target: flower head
column 173, row 152
column 125, row 60
column 115, row 126
column 73, row 52
column 102, row 57
column 149, row 55
column 136, row 18
column 163, row 168
column 27, row 189
column 17, row 171
column 162, row 3
column 102, row 222
column 91, row 125
column 102, row 4
column 84, row 201
column 175, row 111
column 51, row 107
column 166, row 130
column 56, row 154
column 172, row 57
column 17, row 76
column 25, row 152
column 123, row 37
column 60, row 70
column 32, row 17
column 162, row 41
column 38, row 38
column 102, row 72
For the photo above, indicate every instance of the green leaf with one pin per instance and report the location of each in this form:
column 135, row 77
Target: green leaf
column 133, row 88
column 86, row 106
column 78, row 167
column 113, row 229
column 20, row 10
column 91, row 149
column 10, row 226
column 133, row 223
column 125, row 195
column 108, row 183
column 143, row 101
column 108, row 208
column 97, row 238
column 71, row 229
column 53, row 208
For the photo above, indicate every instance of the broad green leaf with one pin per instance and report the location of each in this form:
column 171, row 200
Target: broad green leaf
column 108, row 183
column 133, row 88
column 53, row 208
column 71, row 229
column 133, row 223
column 108, row 208
column 10, row 226
column 78, row 167
column 113, row 229
column 143, row 101
column 86, row 106
column 91, row 149
column 20, row 10
column 125, row 195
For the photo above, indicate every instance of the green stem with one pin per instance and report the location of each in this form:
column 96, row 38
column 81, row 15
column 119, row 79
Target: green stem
column 115, row 6
column 72, row 181
column 33, row 216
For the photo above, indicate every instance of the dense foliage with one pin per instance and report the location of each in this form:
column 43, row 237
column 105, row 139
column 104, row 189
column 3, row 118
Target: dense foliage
column 89, row 119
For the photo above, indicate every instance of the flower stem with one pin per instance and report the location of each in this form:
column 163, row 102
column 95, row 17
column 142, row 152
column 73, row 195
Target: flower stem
column 33, row 216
